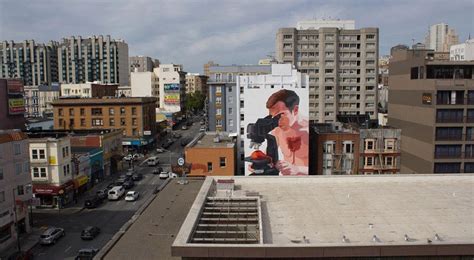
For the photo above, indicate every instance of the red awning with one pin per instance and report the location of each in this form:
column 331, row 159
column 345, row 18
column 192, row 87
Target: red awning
column 48, row 189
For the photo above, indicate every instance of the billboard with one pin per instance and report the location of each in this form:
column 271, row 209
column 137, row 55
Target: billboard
column 16, row 106
column 15, row 87
column 172, row 99
column 276, row 131
column 172, row 88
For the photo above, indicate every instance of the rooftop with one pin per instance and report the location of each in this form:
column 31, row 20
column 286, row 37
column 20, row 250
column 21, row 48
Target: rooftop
column 103, row 101
column 346, row 216
column 212, row 140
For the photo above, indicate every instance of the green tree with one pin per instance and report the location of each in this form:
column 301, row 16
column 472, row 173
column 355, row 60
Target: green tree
column 195, row 101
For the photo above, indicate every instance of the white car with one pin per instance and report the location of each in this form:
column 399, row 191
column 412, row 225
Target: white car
column 202, row 129
column 160, row 150
column 131, row 196
column 164, row 175
column 129, row 157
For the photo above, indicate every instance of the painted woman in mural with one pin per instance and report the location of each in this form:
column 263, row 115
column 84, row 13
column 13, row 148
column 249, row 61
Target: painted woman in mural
column 292, row 133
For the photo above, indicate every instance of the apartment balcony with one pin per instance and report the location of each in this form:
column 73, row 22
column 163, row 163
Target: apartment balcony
column 381, row 151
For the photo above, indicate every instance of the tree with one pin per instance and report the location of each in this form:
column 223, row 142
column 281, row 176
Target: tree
column 195, row 101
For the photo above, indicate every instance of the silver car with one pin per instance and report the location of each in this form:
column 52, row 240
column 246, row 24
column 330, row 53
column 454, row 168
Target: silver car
column 51, row 235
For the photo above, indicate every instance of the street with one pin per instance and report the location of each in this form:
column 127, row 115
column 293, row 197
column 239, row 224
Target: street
column 110, row 215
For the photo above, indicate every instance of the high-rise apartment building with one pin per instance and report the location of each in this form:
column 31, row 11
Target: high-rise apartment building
column 432, row 101
column 96, row 58
column 440, row 37
column 142, row 63
column 342, row 63
column 196, row 82
column 222, row 99
column 15, row 186
column 33, row 62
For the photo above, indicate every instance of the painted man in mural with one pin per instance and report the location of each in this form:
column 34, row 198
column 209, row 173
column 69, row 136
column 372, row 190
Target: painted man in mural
column 292, row 133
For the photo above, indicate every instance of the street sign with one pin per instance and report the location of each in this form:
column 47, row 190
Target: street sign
column 181, row 161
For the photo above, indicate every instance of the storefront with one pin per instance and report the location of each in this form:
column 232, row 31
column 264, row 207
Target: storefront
column 52, row 196
column 141, row 145
column 80, row 184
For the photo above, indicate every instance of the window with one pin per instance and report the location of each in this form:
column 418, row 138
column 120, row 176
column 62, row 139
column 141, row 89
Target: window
column 134, row 121
column 389, row 144
column 36, row 172
column 64, row 170
column 230, row 111
column 134, row 132
column 83, row 112
column 111, row 111
column 97, row 122
column 34, row 154
column 122, row 121
column 83, row 122
column 231, row 122
column 122, row 110
column 20, row 190
column 71, row 111
column 134, row 110
column 369, row 144
column 369, row 161
column 447, row 167
column 43, row 172
column 448, row 151
column 329, row 147
column 111, row 122
column 348, row 147
column 18, row 168
column 17, row 149
column 60, row 112
column 209, row 166
column 96, row 111
column 222, row 161
column 389, row 161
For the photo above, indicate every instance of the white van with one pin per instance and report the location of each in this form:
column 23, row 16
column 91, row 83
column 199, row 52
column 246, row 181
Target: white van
column 152, row 161
column 116, row 192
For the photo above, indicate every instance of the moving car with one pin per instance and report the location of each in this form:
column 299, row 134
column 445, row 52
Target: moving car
column 152, row 161
column 92, row 202
column 116, row 192
column 177, row 135
column 160, row 150
column 51, row 235
column 102, row 194
column 157, row 170
column 86, row 253
column 137, row 176
column 167, row 143
column 164, row 175
column 128, row 157
column 128, row 184
column 184, row 127
column 90, row 233
column 131, row 196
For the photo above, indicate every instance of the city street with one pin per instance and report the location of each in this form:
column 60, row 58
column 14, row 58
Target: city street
column 109, row 216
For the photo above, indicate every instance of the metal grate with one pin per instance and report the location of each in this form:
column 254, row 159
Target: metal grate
column 228, row 221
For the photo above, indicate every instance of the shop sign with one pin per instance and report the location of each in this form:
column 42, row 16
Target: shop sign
column 81, row 180
column 52, row 160
column 147, row 132
column 15, row 87
column 16, row 106
column 426, row 98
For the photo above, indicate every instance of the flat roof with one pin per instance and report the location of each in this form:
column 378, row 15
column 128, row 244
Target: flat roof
column 103, row 101
column 348, row 215
column 208, row 141
column 151, row 235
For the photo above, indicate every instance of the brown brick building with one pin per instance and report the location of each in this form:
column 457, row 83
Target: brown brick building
column 134, row 116
column 210, row 155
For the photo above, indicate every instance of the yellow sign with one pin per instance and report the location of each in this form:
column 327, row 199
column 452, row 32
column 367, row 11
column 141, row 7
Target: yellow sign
column 52, row 160
column 81, row 180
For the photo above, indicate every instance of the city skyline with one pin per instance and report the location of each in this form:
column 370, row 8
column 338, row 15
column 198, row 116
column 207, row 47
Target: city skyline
column 193, row 32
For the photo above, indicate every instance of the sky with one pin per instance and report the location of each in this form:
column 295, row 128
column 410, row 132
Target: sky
column 192, row 32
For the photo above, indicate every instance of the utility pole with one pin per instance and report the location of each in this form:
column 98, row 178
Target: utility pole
column 16, row 222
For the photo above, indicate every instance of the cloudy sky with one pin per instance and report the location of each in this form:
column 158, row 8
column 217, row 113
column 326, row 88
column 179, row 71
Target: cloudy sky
column 192, row 32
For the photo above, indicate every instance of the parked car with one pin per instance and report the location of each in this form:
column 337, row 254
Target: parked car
column 102, row 194
column 184, row 127
column 128, row 157
column 157, row 170
column 86, row 253
column 202, row 129
column 128, row 184
column 51, row 235
column 131, row 196
column 93, row 202
column 160, row 150
column 177, row 135
column 137, row 176
column 116, row 192
column 90, row 233
column 167, row 143
column 164, row 175
column 202, row 122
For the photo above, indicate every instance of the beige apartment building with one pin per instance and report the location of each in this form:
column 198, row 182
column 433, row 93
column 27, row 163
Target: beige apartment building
column 136, row 117
column 196, row 82
column 342, row 63
column 432, row 101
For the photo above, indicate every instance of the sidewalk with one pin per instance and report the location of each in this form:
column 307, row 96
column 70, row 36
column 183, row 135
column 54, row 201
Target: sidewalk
column 27, row 242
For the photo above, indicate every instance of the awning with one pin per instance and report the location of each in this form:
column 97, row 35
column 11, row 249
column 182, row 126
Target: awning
column 49, row 189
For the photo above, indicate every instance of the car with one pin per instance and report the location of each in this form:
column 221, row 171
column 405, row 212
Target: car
column 110, row 186
column 131, row 196
column 177, row 135
column 90, row 233
column 102, row 193
column 202, row 122
column 157, row 170
column 86, row 253
column 115, row 193
column 128, row 184
column 51, row 235
column 137, row 176
column 164, row 175
column 128, row 157
column 202, row 129
column 152, row 161
column 184, row 127
column 160, row 150
column 129, row 173
column 93, row 202
column 173, row 175
column 167, row 143
column 136, row 156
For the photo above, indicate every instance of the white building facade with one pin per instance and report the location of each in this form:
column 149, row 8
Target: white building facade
column 15, row 186
column 440, row 37
column 145, row 84
column 462, row 51
column 172, row 80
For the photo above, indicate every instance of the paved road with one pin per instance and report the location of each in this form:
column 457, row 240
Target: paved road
column 110, row 216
